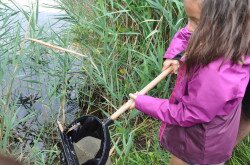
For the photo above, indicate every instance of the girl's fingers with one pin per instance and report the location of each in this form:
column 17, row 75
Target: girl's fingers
column 164, row 68
column 176, row 67
column 132, row 106
column 166, row 65
column 132, row 96
column 176, row 62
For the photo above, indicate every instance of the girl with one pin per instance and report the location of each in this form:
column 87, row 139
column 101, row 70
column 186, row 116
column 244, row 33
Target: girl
column 202, row 118
column 179, row 44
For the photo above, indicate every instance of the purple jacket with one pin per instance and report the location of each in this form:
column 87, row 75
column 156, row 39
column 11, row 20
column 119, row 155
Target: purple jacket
column 202, row 119
column 178, row 44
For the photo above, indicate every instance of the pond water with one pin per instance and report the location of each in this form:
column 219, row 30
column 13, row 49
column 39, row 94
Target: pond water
column 47, row 15
column 34, row 83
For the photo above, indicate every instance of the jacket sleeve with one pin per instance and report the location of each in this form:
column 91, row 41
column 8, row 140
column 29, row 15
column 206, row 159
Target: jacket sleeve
column 209, row 93
column 178, row 44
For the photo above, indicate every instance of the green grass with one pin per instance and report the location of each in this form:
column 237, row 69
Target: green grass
column 241, row 154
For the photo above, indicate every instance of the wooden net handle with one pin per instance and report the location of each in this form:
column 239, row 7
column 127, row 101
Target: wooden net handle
column 145, row 90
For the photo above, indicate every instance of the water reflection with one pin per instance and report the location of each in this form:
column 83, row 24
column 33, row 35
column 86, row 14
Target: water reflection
column 36, row 84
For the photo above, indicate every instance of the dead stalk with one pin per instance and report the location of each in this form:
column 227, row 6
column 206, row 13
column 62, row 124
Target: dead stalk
column 56, row 47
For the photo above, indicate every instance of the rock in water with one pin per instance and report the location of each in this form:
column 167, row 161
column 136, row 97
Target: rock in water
column 87, row 148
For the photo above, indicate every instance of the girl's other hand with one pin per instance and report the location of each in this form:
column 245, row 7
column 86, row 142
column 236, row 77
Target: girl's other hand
column 171, row 63
column 133, row 98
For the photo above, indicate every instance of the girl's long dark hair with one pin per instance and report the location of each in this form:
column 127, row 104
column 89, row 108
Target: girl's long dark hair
column 223, row 31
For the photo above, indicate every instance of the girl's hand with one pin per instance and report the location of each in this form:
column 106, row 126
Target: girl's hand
column 171, row 63
column 133, row 98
